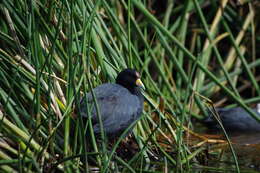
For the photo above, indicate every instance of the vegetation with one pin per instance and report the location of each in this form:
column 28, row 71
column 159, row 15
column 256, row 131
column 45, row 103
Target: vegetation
column 188, row 52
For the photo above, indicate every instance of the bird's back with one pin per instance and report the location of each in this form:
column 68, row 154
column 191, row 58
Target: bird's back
column 117, row 106
column 234, row 119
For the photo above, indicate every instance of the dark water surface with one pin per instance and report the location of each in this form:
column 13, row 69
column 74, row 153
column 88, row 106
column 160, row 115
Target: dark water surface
column 246, row 147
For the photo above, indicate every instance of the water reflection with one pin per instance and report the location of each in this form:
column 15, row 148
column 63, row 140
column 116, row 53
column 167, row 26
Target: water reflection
column 246, row 146
column 245, row 139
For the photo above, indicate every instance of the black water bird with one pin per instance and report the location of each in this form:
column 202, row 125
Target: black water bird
column 234, row 120
column 120, row 104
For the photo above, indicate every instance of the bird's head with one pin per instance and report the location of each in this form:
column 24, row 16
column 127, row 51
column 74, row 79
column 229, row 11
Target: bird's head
column 130, row 79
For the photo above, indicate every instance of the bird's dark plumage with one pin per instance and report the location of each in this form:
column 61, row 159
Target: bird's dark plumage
column 234, row 119
column 120, row 104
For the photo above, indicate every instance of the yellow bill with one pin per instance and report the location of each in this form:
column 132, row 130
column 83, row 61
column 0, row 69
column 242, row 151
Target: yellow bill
column 139, row 83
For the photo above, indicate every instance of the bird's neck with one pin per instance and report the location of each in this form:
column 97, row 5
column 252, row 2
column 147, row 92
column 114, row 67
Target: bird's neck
column 137, row 91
